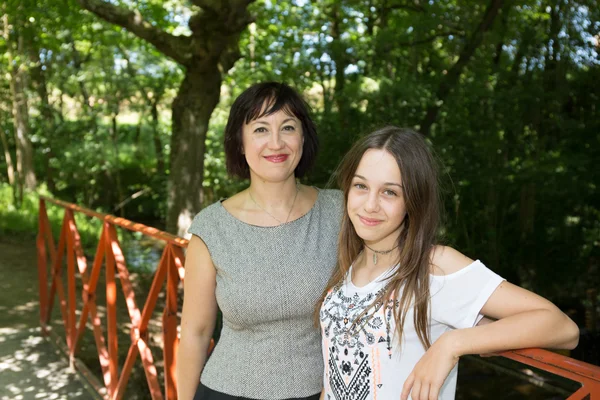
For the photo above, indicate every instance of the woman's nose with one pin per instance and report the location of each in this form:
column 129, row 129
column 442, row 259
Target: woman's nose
column 275, row 142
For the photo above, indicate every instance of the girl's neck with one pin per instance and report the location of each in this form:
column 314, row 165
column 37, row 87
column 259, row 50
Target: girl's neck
column 381, row 253
column 384, row 261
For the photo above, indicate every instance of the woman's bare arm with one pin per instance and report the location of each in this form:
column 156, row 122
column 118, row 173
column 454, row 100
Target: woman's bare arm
column 198, row 317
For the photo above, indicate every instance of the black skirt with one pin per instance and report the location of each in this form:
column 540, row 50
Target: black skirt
column 206, row 393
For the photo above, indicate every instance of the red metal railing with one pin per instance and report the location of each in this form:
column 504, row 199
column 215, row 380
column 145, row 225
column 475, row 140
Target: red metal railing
column 170, row 268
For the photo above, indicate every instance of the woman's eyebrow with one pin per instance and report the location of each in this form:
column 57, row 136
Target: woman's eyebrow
column 262, row 122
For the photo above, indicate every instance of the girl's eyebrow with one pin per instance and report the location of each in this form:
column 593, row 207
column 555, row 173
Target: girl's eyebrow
column 385, row 183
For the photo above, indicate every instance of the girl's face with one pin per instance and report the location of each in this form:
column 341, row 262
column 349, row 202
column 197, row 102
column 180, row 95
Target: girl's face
column 376, row 203
column 273, row 146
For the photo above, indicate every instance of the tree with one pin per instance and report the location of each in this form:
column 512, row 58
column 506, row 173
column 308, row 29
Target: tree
column 206, row 55
column 17, row 65
column 451, row 78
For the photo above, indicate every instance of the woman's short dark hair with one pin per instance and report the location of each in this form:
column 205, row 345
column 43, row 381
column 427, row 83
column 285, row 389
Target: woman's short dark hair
column 250, row 105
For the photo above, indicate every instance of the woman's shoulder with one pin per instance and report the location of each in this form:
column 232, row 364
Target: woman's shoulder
column 332, row 197
column 206, row 220
column 445, row 260
column 209, row 211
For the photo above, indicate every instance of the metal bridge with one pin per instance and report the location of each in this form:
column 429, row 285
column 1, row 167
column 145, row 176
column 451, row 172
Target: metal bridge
column 88, row 303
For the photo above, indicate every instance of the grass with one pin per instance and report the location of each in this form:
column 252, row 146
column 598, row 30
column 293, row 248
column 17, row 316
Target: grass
column 22, row 220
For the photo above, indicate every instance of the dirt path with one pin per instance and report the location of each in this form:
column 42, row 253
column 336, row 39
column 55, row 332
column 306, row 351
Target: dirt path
column 30, row 366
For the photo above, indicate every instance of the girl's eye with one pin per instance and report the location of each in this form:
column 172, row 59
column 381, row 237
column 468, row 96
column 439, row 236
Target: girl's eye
column 260, row 130
column 360, row 186
column 389, row 192
column 289, row 128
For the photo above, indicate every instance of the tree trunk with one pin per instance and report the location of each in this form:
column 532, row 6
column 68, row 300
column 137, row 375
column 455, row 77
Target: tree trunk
column 210, row 51
column 158, row 146
column 38, row 76
column 87, row 103
column 116, row 166
column 340, row 58
column 138, row 130
column 9, row 163
column 197, row 97
column 453, row 75
column 323, row 78
column 153, row 102
column 61, row 99
column 25, row 172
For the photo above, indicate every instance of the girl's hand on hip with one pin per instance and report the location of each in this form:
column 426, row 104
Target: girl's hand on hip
column 430, row 373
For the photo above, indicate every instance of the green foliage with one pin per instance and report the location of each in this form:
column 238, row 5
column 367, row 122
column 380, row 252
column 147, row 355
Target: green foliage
column 17, row 221
column 517, row 134
column 23, row 221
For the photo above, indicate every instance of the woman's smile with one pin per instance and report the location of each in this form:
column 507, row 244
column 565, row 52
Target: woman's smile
column 277, row 158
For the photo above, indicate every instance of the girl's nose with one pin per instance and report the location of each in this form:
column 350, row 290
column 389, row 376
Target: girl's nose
column 372, row 203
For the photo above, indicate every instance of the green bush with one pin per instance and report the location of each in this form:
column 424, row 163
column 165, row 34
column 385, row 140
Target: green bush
column 21, row 221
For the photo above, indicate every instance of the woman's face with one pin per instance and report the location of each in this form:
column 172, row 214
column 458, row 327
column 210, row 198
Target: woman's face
column 376, row 203
column 273, row 146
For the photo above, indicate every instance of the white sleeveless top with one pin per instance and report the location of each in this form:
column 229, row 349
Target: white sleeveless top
column 368, row 363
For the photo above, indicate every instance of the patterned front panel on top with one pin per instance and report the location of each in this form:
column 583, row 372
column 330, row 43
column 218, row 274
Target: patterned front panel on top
column 356, row 332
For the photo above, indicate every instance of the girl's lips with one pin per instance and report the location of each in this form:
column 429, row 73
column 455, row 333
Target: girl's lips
column 369, row 221
column 277, row 158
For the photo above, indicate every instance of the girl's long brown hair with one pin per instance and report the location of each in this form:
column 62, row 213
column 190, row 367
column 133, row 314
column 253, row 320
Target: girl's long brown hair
column 418, row 232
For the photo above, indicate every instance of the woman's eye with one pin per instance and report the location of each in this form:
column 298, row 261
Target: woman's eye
column 260, row 130
column 360, row 186
column 289, row 128
column 389, row 192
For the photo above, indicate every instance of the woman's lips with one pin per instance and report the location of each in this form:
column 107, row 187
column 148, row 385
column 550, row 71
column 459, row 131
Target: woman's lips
column 370, row 221
column 277, row 158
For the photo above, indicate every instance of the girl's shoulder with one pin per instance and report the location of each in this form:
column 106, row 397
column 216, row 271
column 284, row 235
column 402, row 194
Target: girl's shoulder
column 445, row 260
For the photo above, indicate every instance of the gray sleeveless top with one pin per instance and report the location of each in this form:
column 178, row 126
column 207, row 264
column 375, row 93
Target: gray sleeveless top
column 268, row 282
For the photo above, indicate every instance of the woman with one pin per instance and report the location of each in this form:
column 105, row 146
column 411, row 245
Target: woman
column 400, row 310
column 263, row 257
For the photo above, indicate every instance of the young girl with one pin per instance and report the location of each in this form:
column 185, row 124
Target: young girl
column 400, row 310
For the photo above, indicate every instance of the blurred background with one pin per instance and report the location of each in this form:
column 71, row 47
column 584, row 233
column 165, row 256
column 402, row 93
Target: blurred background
column 120, row 106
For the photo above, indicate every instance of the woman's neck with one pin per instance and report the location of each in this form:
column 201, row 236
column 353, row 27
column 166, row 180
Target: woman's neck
column 274, row 195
